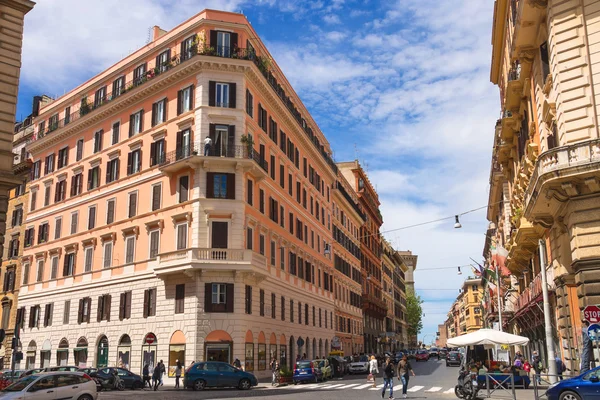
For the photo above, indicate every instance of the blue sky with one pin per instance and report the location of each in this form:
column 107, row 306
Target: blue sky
column 402, row 84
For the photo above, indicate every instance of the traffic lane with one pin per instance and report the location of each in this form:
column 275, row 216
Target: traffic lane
column 433, row 373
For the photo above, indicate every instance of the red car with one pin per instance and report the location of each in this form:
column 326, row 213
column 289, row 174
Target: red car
column 422, row 355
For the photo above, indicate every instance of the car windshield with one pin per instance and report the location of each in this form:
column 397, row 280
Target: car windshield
column 590, row 375
column 363, row 359
column 303, row 364
column 21, row 384
column 422, row 352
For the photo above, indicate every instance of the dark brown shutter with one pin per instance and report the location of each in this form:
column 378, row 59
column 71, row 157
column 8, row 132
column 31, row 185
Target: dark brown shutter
column 100, row 304
column 153, row 304
column 100, row 136
column 153, row 157
column 212, row 130
column 132, row 204
column 210, row 185
column 89, row 309
column 212, row 93
column 129, row 158
column 231, row 140
column 145, row 303
column 80, row 183
column 192, row 97
column 122, row 306
column 179, row 142
column 231, row 186
column 213, row 39
column 108, row 172
column 179, row 101
column 128, row 305
column 131, row 122
column 89, row 179
column 156, row 197
column 208, row 297
column 229, row 298
column 80, row 311
column 107, row 306
column 184, row 184
column 141, row 121
column 232, row 95
column 118, row 168
column 234, row 40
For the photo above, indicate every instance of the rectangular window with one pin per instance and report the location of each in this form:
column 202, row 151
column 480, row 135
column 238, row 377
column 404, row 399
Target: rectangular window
column 107, row 255
column 273, row 168
column 93, row 178
column 249, row 237
column 162, row 61
column 134, row 162
column 222, row 95
column 60, row 192
column 282, row 308
column 273, row 308
column 129, row 249
column 179, row 298
column 104, row 303
column 89, row 259
column 69, row 264
column 74, row 222
column 43, row 233
column 91, row 217
column 66, row 312
column 157, row 152
column 182, row 231
column 219, row 293
column 139, row 74
column 85, row 310
column 149, row 302
column 261, row 244
column 248, row 300
column 262, row 302
column 136, row 123
column 156, row 196
column 125, row 306
column 54, row 267
column 40, row 271
column 49, row 164
column 272, row 253
column 249, row 104
column 183, row 188
column 118, row 86
column 76, row 184
column 116, row 132
column 261, row 201
column 220, row 186
column 188, row 49
column 185, row 100
column 282, row 176
column 48, row 314
column 132, row 208
column 112, row 170
column 63, row 157
column 79, row 150
column 262, row 117
column 34, row 316
column 100, row 97
column 154, row 243
column 36, row 169
column 25, row 274
column 67, row 115
column 110, row 211
column 250, row 192
column 98, row 141
column 47, row 195
column 159, row 112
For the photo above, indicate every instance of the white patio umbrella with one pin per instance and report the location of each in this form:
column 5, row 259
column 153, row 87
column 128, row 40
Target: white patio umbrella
column 488, row 338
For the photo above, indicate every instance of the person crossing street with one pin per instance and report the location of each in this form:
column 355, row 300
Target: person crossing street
column 388, row 378
column 404, row 368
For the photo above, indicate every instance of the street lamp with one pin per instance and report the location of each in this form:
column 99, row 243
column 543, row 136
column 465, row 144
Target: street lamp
column 457, row 224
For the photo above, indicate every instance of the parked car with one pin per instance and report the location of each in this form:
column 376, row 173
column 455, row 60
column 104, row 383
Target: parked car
column 62, row 368
column 202, row 375
column 422, row 355
column 130, row 380
column 410, row 354
column 361, row 366
column 443, row 353
column 583, row 387
column 325, row 367
column 339, row 366
column 434, row 352
column 7, row 374
column 307, row 371
column 453, row 358
column 52, row 385
column 31, row 372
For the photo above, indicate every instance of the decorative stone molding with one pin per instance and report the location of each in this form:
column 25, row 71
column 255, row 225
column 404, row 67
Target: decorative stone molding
column 114, row 154
column 89, row 242
column 161, row 133
column 95, row 162
column 185, row 216
column 41, row 254
column 108, row 237
column 159, row 223
column 136, row 144
column 55, row 251
column 131, row 230
column 72, row 248
column 186, row 121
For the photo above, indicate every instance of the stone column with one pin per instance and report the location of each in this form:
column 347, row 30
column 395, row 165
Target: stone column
column 12, row 13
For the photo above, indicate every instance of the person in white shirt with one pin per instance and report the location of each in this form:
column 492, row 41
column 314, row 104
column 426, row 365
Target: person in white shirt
column 373, row 368
column 207, row 145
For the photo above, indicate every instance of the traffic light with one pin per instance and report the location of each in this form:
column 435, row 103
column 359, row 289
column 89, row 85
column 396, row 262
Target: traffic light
column 18, row 356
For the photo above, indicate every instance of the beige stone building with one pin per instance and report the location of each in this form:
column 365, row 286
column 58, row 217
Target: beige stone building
column 545, row 177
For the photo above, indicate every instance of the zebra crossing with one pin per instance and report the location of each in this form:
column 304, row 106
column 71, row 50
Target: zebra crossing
column 365, row 386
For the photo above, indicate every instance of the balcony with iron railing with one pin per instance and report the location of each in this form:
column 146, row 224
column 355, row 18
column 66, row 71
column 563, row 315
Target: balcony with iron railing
column 197, row 153
column 209, row 259
column 262, row 64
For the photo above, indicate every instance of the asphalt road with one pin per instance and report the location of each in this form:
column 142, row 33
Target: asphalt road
column 433, row 381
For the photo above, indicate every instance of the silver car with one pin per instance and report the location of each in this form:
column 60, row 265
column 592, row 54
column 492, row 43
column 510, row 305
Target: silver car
column 52, row 385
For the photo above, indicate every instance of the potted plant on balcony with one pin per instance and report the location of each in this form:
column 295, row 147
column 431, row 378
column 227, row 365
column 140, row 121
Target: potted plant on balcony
column 248, row 142
column 85, row 107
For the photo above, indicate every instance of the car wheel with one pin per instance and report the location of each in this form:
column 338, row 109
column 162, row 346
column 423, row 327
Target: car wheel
column 568, row 395
column 199, row 384
column 137, row 385
column 295, row 382
column 245, row 384
column 85, row 397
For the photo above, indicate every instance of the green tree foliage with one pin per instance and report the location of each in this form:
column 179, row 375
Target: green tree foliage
column 414, row 314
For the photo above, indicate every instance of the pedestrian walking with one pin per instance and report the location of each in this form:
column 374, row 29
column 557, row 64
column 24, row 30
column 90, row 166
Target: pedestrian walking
column 404, row 368
column 560, row 367
column 274, row 371
column 178, row 370
column 373, row 369
column 151, row 369
column 146, row 375
column 538, row 367
column 388, row 378
column 207, row 145
column 156, row 377
column 237, row 363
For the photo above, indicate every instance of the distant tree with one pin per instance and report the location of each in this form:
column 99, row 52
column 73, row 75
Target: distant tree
column 414, row 314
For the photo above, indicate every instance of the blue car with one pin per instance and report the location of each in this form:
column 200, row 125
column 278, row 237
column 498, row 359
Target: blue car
column 307, row 371
column 208, row 374
column 583, row 387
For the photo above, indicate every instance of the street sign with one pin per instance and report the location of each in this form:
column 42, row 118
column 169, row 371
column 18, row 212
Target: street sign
column 594, row 331
column 592, row 314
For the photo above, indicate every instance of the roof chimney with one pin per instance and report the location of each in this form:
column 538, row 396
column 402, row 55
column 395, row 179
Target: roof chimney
column 157, row 32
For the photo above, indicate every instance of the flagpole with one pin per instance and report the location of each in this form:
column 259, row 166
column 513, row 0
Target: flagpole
column 499, row 301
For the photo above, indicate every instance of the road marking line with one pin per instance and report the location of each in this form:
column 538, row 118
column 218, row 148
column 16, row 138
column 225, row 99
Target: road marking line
column 363, row 386
column 321, row 386
column 397, row 388
column 434, row 389
column 415, row 388
column 449, row 391
column 377, row 387
column 347, row 386
column 334, row 386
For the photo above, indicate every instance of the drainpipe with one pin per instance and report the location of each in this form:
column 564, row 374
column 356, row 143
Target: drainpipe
column 547, row 316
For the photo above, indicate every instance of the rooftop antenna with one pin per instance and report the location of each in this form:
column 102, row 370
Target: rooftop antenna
column 149, row 35
column 355, row 152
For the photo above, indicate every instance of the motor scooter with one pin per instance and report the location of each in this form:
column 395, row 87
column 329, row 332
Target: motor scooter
column 467, row 387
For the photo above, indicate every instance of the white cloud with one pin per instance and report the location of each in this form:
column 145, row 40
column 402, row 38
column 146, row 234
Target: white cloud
column 335, row 36
column 331, row 19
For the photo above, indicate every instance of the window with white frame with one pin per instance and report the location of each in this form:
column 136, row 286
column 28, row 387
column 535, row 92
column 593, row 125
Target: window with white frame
column 89, row 259
column 74, row 222
column 222, row 93
column 54, row 267
column 159, row 112
column 135, row 121
column 182, row 231
column 129, row 249
column 219, row 293
column 69, row 265
column 57, row 228
column 40, row 270
column 185, row 100
column 107, row 255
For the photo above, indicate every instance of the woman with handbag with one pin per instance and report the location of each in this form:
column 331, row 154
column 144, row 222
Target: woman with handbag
column 373, row 369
